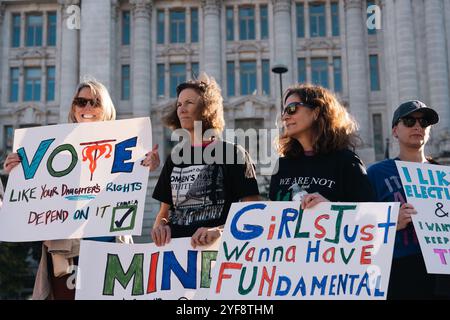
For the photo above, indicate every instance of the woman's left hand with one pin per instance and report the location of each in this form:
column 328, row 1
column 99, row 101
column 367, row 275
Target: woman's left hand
column 152, row 159
column 310, row 200
column 205, row 236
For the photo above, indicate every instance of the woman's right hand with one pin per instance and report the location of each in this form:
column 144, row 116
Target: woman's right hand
column 404, row 215
column 161, row 234
column 11, row 161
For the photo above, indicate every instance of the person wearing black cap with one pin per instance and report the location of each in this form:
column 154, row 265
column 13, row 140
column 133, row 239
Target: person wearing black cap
column 409, row 279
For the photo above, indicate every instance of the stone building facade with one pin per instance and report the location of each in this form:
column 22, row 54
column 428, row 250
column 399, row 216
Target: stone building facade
column 141, row 49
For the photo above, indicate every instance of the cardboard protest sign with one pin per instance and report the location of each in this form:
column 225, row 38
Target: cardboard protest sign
column 110, row 271
column 274, row 250
column 427, row 188
column 77, row 180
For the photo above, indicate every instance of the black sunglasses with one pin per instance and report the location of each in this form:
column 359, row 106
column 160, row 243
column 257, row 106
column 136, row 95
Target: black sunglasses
column 82, row 102
column 411, row 122
column 291, row 108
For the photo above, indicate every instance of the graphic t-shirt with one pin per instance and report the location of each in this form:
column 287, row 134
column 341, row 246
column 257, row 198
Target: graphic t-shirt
column 338, row 176
column 200, row 193
column 388, row 187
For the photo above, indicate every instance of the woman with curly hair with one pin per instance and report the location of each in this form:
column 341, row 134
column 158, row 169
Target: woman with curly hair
column 317, row 161
column 196, row 192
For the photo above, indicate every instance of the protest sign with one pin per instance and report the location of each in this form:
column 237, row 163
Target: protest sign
column 111, row 271
column 427, row 188
column 275, row 250
column 77, row 180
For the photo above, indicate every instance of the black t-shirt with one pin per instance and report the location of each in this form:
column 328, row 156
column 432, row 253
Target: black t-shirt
column 338, row 176
column 200, row 193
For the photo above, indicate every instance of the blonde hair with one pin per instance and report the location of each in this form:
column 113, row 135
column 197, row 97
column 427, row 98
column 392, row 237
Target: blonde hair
column 334, row 129
column 211, row 104
column 99, row 92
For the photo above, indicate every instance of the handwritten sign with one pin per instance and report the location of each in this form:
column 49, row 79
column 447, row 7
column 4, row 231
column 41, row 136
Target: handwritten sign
column 77, row 180
column 273, row 250
column 427, row 188
column 110, row 271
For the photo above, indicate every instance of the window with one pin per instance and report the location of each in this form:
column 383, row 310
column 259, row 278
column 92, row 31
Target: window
column 230, row 24
column 374, row 73
column 34, row 30
column 319, row 71
column 264, row 22
column 177, row 76
column 32, row 84
column 378, row 136
column 160, row 27
column 317, row 20
column 301, row 64
column 337, row 71
column 160, row 75
column 194, row 25
column 335, row 19
column 300, row 13
column 125, row 83
column 370, row 31
column 247, row 23
column 230, row 79
column 177, row 26
column 126, row 27
column 8, row 135
column 14, row 85
column 51, row 29
column 266, row 77
column 248, row 77
column 195, row 70
column 50, row 86
column 15, row 37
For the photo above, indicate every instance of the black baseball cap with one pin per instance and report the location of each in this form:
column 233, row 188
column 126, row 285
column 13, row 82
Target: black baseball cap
column 411, row 106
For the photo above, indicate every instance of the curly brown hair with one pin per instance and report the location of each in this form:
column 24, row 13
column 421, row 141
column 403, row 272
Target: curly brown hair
column 335, row 129
column 211, row 104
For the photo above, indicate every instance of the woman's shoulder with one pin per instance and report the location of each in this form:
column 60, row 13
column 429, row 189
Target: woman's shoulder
column 381, row 166
column 346, row 154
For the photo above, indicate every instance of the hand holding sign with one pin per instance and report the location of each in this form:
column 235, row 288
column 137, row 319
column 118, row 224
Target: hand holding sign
column 404, row 215
column 12, row 161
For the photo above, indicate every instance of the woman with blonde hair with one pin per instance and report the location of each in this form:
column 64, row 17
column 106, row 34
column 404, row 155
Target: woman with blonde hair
column 196, row 194
column 316, row 146
column 59, row 259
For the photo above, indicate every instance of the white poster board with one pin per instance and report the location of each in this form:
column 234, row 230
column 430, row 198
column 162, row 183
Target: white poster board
column 77, row 180
column 273, row 250
column 427, row 188
column 113, row 271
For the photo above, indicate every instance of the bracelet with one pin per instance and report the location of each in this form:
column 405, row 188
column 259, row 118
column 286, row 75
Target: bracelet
column 165, row 221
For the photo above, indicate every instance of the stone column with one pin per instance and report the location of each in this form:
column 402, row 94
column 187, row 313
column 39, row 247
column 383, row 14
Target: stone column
column 4, row 71
column 212, row 47
column 357, row 66
column 390, row 65
column 69, row 59
column 141, row 57
column 283, row 41
column 437, row 61
column 97, row 41
column 406, row 51
column 358, row 77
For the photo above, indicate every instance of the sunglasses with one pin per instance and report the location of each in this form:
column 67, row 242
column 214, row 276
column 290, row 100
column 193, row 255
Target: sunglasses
column 411, row 122
column 291, row 108
column 82, row 102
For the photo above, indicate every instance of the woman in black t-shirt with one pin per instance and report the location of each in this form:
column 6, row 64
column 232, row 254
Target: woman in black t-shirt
column 317, row 162
column 195, row 191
